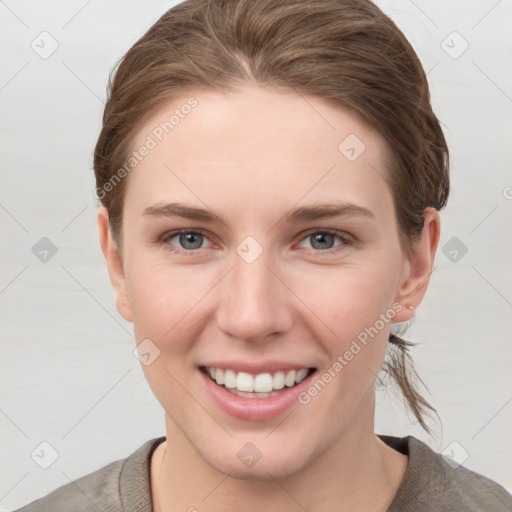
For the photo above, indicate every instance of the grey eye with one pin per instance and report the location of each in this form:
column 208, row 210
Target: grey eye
column 190, row 240
column 322, row 240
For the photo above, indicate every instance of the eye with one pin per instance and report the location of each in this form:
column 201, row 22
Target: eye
column 186, row 240
column 190, row 241
column 323, row 240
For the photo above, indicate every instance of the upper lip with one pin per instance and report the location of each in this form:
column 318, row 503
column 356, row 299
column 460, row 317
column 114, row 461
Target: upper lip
column 256, row 368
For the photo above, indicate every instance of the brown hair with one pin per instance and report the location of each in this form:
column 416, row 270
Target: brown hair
column 345, row 51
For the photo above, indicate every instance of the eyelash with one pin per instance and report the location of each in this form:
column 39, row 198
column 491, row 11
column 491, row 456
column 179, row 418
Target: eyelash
column 345, row 239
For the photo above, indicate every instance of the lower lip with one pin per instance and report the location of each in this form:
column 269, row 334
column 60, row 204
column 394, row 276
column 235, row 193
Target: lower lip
column 254, row 409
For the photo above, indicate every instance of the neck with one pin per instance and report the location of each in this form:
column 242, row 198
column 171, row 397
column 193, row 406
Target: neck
column 358, row 472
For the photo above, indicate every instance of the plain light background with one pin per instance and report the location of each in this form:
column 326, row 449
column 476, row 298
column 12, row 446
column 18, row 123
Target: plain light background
column 68, row 374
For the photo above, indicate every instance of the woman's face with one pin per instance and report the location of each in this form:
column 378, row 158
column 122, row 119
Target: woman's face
column 271, row 288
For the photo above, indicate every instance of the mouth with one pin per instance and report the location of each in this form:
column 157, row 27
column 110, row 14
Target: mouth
column 257, row 386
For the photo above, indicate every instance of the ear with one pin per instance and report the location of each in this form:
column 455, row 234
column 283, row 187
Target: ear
column 115, row 264
column 419, row 267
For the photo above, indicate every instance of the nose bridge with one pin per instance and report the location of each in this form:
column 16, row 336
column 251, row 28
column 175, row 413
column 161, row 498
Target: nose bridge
column 253, row 303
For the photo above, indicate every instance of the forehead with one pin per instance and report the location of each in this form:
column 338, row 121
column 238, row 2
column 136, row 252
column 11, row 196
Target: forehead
column 257, row 145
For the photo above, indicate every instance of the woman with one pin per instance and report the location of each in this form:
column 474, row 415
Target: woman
column 270, row 176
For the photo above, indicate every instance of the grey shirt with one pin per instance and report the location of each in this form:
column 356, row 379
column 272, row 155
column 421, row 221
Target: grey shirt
column 430, row 484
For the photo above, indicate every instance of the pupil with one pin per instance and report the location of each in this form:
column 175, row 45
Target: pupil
column 321, row 237
column 189, row 238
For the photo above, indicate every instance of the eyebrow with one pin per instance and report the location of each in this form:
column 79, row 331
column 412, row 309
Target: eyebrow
column 302, row 214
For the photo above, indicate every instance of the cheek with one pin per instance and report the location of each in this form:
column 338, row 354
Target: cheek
column 167, row 301
column 167, row 309
column 355, row 302
column 349, row 298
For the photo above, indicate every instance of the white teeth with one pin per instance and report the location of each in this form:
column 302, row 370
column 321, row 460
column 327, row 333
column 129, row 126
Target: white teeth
column 301, row 375
column 243, row 394
column 278, row 380
column 219, row 376
column 289, row 380
column 229, row 378
column 253, row 385
column 244, row 382
column 263, row 383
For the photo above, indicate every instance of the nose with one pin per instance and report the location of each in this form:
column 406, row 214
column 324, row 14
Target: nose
column 255, row 302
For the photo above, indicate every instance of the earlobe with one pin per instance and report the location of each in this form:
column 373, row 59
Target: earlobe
column 115, row 266
column 419, row 267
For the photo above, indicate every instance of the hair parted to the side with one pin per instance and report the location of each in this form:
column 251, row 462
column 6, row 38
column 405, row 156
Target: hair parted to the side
column 345, row 51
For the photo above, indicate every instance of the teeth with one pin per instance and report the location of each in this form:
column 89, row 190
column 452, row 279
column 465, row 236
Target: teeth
column 219, row 376
column 244, row 381
column 229, row 378
column 243, row 394
column 301, row 375
column 264, row 383
column 278, row 380
column 289, row 380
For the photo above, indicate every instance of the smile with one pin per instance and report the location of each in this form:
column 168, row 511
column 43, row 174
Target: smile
column 262, row 385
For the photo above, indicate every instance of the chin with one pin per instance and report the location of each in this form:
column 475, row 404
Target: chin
column 257, row 460
column 263, row 470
